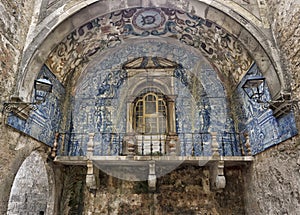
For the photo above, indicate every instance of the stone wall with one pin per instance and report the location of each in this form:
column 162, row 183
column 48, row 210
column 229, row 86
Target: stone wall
column 183, row 191
column 15, row 148
column 272, row 183
column 30, row 190
column 284, row 17
column 71, row 200
column 14, row 24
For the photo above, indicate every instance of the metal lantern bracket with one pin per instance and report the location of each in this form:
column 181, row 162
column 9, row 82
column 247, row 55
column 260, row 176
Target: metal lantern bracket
column 16, row 106
column 282, row 105
column 254, row 87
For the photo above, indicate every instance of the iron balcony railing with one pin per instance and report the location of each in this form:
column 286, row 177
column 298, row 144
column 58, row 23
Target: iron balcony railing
column 180, row 144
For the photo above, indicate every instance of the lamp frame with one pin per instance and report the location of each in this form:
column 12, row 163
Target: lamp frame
column 256, row 84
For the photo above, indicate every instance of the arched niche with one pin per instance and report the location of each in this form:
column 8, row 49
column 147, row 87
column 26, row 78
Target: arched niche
column 193, row 65
column 103, row 92
column 31, row 192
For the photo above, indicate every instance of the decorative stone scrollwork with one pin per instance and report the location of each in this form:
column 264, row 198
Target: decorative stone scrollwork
column 220, row 182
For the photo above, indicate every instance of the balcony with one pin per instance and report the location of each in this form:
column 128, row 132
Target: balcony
column 147, row 157
column 69, row 147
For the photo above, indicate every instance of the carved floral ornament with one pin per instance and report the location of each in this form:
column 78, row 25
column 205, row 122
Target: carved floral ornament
column 224, row 51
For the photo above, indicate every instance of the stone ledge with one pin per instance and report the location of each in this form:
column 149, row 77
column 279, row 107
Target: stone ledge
column 140, row 160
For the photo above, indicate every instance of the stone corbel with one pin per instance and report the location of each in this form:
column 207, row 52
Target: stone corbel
column 152, row 176
column 90, row 177
column 218, row 180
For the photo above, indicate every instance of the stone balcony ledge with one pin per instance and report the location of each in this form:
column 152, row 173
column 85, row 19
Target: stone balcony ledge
column 136, row 160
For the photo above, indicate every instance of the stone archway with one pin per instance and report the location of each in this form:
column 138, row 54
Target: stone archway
column 30, row 190
column 247, row 31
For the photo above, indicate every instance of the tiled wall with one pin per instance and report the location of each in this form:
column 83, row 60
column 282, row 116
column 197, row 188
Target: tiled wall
column 45, row 120
column 263, row 128
column 100, row 106
column 100, row 100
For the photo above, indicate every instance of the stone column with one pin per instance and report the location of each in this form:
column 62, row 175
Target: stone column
column 130, row 112
column 129, row 141
column 171, row 114
column 172, row 138
column 90, row 177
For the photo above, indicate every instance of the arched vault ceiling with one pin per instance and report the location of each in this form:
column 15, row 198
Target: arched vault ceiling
column 223, row 50
column 61, row 19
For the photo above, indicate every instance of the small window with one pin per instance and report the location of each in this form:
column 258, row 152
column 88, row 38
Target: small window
column 150, row 114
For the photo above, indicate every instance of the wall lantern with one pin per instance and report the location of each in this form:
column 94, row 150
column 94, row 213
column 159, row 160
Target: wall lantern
column 42, row 88
column 254, row 87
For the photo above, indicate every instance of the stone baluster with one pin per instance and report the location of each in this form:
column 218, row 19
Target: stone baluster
column 172, row 143
column 62, row 140
column 214, row 145
column 129, row 145
column 171, row 114
column 55, row 144
column 218, row 180
column 90, row 146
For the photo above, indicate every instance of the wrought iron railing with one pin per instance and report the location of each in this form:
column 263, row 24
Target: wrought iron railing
column 180, row 144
